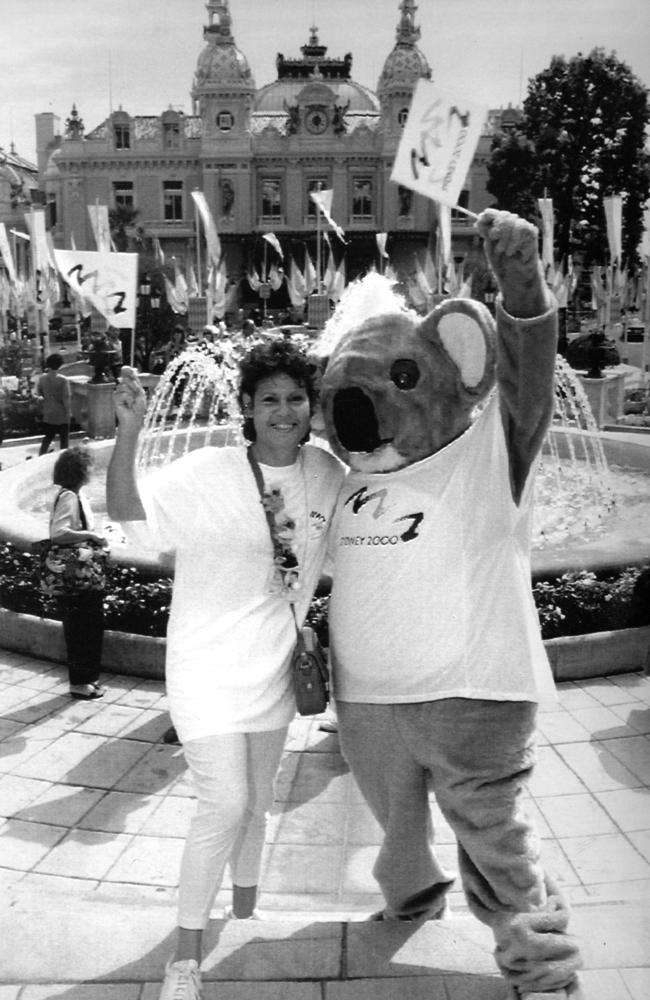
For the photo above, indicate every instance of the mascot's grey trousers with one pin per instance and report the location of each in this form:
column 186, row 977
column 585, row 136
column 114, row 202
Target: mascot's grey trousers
column 397, row 752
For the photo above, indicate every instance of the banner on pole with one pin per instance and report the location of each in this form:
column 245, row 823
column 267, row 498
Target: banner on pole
column 6, row 254
column 211, row 235
column 100, row 226
column 613, row 206
column 548, row 224
column 438, row 143
column 106, row 281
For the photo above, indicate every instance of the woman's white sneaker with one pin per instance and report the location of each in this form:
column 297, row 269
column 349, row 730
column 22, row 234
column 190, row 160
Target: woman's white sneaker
column 182, row 981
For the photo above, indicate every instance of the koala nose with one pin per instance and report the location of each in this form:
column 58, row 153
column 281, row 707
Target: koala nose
column 355, row 420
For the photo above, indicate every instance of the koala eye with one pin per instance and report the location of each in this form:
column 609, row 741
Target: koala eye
column 404, row 373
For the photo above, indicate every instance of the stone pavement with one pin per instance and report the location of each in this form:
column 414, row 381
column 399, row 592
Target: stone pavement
column 94, row 808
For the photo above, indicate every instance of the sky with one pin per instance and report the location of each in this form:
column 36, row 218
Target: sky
column 100, row 54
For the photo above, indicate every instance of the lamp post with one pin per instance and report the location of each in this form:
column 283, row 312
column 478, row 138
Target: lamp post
column 144, row 305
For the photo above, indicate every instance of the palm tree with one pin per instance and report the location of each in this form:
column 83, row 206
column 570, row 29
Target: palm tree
column 120, row 219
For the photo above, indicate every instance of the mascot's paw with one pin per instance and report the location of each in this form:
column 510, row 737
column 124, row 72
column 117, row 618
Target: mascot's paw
column 511, row 248
column 534, row 952
column 571, row 992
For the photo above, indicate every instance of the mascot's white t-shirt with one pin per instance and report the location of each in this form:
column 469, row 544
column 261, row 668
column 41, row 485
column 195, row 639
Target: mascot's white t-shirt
column 229, row 640
column 431, row 595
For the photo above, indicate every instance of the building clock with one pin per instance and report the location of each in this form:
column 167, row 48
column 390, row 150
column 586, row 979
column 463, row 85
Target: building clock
column 316, row 121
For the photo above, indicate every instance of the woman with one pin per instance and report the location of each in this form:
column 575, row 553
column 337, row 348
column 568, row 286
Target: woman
column 82, row 612
column 231, row 628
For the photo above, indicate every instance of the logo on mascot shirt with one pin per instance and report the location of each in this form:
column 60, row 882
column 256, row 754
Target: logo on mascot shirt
column 358, row 500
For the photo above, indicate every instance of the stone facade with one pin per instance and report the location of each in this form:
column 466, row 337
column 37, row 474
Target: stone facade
column 257, row 153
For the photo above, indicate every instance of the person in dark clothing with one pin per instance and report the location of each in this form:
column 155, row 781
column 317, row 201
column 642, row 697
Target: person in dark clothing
column 54, row 389
column 82, row 612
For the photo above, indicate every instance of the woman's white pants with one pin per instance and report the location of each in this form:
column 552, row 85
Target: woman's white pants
column 233, row 776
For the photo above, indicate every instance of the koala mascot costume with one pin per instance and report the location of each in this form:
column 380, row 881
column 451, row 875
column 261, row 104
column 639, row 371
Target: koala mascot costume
column 437, row 659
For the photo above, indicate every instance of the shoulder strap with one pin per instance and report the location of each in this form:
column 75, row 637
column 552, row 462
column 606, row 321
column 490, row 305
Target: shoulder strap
column 259, row 479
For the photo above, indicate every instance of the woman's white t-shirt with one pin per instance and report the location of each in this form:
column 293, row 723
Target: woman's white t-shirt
column 229, row 640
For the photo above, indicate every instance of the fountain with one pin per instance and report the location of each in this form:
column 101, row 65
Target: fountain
column 592, row 510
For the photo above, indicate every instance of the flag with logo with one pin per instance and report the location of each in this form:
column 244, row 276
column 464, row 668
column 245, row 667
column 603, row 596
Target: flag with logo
column 6, row 254
column 438, row 143
column 106, row 281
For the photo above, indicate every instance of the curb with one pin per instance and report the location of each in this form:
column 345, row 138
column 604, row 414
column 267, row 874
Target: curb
column 572, row 658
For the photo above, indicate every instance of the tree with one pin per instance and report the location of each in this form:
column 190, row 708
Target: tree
column 120, row 219
column 582, row 137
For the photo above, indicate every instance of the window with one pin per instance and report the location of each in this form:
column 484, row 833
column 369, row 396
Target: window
column 173, row 200
column 51, row 211
column 271, row 198
column 315, row 184
column 405, row 201
column 122, row 135
column 171, row 135
column 402, row 116
column 123, row 194
column 227, row 196
column 225, row 121
column 362, row 197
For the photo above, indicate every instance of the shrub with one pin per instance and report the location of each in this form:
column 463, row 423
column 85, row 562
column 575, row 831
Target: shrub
column 573, row 604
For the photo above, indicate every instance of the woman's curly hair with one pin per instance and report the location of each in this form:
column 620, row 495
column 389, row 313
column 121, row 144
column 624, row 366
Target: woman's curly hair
column 274, row 356
column 73, row 467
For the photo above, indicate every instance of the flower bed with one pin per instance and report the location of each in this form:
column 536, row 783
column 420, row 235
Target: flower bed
column 574, row 604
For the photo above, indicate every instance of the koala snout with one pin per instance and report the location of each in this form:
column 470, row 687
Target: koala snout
column 355, row 420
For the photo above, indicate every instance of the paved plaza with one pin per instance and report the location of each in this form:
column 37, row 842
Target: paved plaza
column 95, row 807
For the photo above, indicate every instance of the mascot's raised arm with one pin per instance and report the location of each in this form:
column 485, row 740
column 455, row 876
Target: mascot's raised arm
column 437, row 659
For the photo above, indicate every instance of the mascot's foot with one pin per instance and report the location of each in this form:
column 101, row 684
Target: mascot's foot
column 535, row 954
column 571, row 992
column 383, row 916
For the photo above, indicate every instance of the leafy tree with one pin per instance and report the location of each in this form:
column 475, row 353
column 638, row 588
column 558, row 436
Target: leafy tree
column 120, row 219
column 582, row 137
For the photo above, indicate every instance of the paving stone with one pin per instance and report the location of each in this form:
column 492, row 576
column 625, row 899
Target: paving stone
column 16, row 793
column 634, row 752
column 613, row 934
column 629, row 808
column 573, row 815
column 299, row 868
column 84, row 854
column 605, row 858
column 562, row 727
column 23, row 845
column 264, row 950
column 597, row 767
column 435, row 947
column 421, row 988
column 552, row 776
column 61, row 805
column 150, row 860
column 155, row 772
column 119, row 812
column 312, row 823
column 91, row 991
column 637, row 982
column 83, row 759
column 170, row 817
column 604, row 984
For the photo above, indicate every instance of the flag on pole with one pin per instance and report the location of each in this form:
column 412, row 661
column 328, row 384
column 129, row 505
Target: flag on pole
column 296, row 285
column 311, row 281
column 180, row 287
column 323, row 199
column 253, row 279
column 100, row 226
column 338, row 284
column 444, row 233
column 40, row 248
column 106, row 281
column 438, row 143
column 330, row 272
column 613, row 206
column 192, row 283
column 381, row 244
column 211, row 235
column 158, row 252
column 173, row 300
column 276, row 277
column 421, row 278
column 548, row 222
column 6, row 254
column 275, row 243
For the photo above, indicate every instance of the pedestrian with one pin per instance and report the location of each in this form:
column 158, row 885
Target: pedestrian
column 54, row 389
column 82, row 612
column 231, row 629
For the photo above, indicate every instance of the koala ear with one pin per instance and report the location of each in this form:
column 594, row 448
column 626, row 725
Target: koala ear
column 465, row 330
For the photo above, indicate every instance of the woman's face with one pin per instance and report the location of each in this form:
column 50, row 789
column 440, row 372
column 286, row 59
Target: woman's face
column 281, row 412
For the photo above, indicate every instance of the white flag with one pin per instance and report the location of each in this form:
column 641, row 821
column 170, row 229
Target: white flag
column 381, row 244
column 546, row 212
column 41, row 255
column 101, row 228
column 211, row 235
column 6, row 254
column 444, row 230
column 613, row 206
column 324, row 201
column 438, row 143
column 107, row 281
column 311, row 281
column 275, row 243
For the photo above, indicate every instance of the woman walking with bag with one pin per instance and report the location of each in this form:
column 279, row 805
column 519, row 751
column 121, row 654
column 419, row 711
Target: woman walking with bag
column 231, row 629
column 72, row 524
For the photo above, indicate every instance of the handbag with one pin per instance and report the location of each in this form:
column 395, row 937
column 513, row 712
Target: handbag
column 67, row 568
column 309, row 673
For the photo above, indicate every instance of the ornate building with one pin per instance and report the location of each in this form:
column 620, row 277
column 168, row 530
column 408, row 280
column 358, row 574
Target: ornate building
column 257, row 153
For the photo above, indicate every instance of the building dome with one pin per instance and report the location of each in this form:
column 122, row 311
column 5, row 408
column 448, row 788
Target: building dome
column 221, row 62
column 406, row 64
column 277, row 95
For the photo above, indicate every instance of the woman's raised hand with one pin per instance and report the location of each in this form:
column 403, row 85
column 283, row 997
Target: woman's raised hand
column 130, row 400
